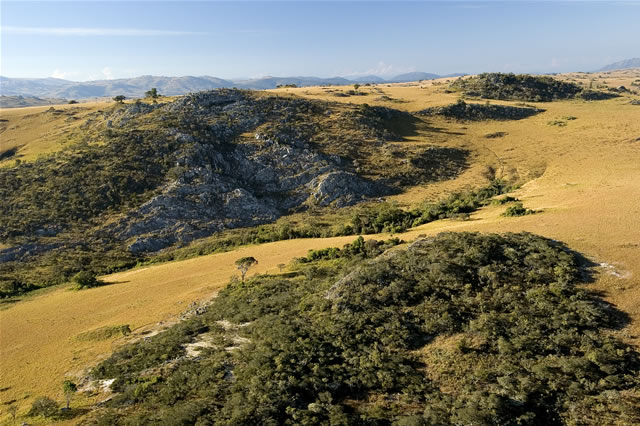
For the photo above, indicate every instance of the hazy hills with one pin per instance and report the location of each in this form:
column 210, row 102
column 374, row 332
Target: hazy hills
column 135, row 87
column 22, row 101
column 622, row 65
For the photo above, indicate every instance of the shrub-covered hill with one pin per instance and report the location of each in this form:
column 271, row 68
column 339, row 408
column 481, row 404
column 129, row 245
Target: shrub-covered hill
column 477, row 112
column 457, row 329
column 141, row 177
column 522, row 87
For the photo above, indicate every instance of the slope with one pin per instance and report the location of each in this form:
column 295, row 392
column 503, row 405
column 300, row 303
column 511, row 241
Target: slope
column 584, row 176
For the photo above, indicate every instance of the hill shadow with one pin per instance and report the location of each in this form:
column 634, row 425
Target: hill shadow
column 616, row 319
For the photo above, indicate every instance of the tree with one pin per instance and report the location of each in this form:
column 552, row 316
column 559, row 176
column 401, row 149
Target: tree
column 356, row 87
column 244, row 264
column 69, row 389
column 86, row 279
column 120, row 98
column 153, row 93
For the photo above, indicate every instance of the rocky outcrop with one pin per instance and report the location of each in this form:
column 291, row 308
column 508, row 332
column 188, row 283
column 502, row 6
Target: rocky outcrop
column 144, row 177
column 219, row 185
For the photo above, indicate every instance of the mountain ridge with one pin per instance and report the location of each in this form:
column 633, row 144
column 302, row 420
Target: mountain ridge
column 136, row 86
column 622, row 65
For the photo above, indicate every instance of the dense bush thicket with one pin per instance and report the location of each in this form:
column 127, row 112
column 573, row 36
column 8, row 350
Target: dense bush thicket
column 457, row 329
column 594, row 95
column 77, row 185
column 478, row 112
column 369, row 219
column 521, row 87
column 359, row 247
column 386, row 217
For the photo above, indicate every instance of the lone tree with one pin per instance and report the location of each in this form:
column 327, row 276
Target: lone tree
column 356, row 87
column 86, row 279
column 69, row 389
column 153, row 93
column 120, row 98
column 244, row 264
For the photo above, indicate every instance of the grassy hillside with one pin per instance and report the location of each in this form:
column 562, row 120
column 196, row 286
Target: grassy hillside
column 583, row 176
column 348, row 341
column 138, row 178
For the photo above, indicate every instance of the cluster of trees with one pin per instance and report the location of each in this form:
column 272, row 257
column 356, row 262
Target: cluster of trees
column 477, row 112
column 153, row 94
column 386, row 217
column 519, row 87
column 457, row 329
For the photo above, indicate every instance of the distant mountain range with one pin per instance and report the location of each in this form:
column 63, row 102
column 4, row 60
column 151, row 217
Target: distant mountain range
column 25, row 101
column 136, row 87
column 622, row 65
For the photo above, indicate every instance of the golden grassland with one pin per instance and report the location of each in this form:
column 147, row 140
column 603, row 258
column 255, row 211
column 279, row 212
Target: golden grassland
column 585, row 177
column 37, row 130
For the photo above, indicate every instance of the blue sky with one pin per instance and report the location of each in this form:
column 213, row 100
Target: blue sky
column 96, row 40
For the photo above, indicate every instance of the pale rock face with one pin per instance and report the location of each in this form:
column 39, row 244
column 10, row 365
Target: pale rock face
column 242, row 184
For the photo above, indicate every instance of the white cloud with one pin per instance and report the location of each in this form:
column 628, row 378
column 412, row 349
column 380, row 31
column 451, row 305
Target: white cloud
column 108, row 73
column 382, row 69
column 83, row 32
column 58, row 74
column 67, row 75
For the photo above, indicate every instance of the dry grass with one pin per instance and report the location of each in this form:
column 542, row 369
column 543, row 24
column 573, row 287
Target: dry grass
column 584, row 176
column 37, row 130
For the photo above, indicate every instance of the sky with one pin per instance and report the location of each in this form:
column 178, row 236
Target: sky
column 105, row 40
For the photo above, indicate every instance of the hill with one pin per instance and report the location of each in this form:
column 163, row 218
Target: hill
column 130, row 87
column 368, row 79
column 524, row 87
column 21, row 101
column 622, row 65
column 156, row 175
column 382, row 339
column 171, row 86
column 264, row 83
column 581, row 177
column 413, row 76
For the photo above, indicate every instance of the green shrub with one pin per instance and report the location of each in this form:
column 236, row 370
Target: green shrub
column 43, row 406
column 351, row 340
column 520, row 87
column 86, row 279
column 517, row 210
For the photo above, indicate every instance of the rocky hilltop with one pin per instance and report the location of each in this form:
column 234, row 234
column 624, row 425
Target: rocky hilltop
column 137, row 178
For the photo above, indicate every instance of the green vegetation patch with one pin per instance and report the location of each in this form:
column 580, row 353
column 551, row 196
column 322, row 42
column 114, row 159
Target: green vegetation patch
column 479, row 112
column 461, row 328
column 595, row 95
column 105, row 333
column 520, row 87
column 518, row 210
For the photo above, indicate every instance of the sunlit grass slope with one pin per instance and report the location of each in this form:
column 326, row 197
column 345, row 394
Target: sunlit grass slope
column 584, row 176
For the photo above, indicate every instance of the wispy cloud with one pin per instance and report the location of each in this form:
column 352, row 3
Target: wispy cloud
column 84, row 32
column 381, row 69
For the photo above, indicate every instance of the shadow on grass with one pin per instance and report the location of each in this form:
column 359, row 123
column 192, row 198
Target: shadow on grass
column 616, row 319
column 98, row 284
column 71, row 413
column 5, row 303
